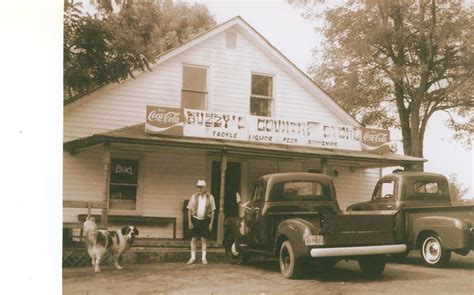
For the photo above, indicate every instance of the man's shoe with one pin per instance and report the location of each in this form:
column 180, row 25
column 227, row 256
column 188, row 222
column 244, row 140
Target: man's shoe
column 204, row 261
column 191, row 261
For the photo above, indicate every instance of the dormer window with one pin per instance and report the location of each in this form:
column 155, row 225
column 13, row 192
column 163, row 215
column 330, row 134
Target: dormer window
column 261, row 98
column 194, row 91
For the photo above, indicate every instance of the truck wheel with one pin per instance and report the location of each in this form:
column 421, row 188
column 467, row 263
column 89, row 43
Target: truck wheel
column 372, row 266
column 290, row 266
column 235, row 257
column 433, row 253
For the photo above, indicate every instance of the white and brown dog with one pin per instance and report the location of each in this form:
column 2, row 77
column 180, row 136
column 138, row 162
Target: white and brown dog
column 100, row 242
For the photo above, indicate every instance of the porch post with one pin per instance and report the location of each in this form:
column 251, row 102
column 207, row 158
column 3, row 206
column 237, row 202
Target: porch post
column 220, row 224
column 324, row 167
column 105, row 191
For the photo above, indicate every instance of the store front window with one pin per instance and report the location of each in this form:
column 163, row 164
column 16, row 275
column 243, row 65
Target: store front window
column 123, row 187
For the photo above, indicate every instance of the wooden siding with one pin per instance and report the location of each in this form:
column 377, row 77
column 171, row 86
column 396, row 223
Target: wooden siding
column 353, row 187
column 169, row 180
column 83, row 181
column 229, row 90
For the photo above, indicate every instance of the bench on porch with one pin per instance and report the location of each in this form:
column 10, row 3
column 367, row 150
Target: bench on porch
column 113, row 219
column 83, row 205
column 134, row 220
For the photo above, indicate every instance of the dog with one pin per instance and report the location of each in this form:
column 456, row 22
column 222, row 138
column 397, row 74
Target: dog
column 101, row 242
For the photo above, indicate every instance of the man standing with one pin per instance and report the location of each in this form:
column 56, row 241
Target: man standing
column 201, row 209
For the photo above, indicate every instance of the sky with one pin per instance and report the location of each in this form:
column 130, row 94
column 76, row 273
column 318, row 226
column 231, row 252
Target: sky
column 282, row 25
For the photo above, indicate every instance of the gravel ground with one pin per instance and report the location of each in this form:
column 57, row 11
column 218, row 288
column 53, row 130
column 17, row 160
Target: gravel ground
column 263, row 277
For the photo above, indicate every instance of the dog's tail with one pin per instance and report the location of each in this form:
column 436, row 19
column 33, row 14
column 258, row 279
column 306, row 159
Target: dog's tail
column 90, row 230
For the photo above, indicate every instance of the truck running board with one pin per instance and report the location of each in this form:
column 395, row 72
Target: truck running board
column 356, row 251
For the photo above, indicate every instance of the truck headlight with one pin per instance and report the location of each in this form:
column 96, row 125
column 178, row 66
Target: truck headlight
column 314, row 240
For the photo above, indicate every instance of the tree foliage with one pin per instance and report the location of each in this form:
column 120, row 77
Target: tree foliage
column 123, row 37
column 396, row 63
column 457, row 189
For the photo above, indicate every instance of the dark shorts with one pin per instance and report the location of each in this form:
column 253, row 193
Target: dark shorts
column 201, row 227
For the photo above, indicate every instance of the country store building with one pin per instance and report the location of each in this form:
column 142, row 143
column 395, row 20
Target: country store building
column 226, row 107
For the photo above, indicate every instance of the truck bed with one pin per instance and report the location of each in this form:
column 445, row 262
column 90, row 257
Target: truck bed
column 409, row 215
column 359, row 228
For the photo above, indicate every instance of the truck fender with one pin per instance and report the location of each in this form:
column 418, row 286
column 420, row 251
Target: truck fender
column 231, row 228
column 453, row 232
column 294, row 230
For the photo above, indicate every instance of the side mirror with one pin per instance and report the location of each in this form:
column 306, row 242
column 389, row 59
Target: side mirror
column 238, row 198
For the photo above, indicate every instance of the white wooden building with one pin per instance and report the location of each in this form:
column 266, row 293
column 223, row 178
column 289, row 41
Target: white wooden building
column 231, row 69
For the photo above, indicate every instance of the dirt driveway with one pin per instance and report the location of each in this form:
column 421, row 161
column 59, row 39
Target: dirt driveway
column 263, row 277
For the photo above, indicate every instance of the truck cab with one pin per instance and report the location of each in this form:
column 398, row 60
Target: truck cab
column 296, row 217
column 407, row 189
column 301, row 196
column 427, row 219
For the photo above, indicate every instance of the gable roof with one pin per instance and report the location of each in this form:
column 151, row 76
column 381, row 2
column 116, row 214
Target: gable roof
column 248, row 31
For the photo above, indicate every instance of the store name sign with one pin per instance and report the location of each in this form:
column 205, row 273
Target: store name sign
column 229, row 126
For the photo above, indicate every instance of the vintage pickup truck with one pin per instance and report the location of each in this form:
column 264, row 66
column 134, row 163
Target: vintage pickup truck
column 427, row 220
column 296, row 217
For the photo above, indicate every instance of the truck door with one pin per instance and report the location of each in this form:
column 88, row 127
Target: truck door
column 384, row 196
column 252, row 216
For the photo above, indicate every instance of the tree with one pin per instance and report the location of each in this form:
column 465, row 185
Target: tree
column 457, row 189
column 123, row 37
column 396, row 63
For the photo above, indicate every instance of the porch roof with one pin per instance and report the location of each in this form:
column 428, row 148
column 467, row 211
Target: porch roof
column 136, row 135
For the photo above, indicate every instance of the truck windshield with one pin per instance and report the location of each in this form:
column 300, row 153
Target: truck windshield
column 297, row 190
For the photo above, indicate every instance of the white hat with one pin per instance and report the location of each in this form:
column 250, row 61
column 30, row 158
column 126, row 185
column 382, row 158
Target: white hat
column 201, row 183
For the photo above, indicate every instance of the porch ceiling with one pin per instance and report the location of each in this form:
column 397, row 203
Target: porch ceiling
column 136, row 135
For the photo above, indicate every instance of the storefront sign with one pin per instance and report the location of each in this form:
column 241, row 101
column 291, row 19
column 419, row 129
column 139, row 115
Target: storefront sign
column 300, row 132
column 229, row 126
column 375, row 140
column 200, row 123
column 123, row 184
column 123, row 171
column 161, row 120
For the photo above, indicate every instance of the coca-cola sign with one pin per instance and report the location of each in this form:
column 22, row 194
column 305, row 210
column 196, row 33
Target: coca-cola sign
column 374, row 138
column 164, row 120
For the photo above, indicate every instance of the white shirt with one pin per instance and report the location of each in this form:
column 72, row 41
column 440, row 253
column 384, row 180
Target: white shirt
column 201, row 210
column 201, row 207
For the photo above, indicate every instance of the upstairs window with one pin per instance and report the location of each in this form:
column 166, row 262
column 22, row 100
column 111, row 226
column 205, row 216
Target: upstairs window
column 261, row 98
column 194, row 92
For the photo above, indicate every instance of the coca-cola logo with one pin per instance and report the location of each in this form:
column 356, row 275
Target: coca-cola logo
column 162, row 117
column 164, row 120
column 375, row 137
